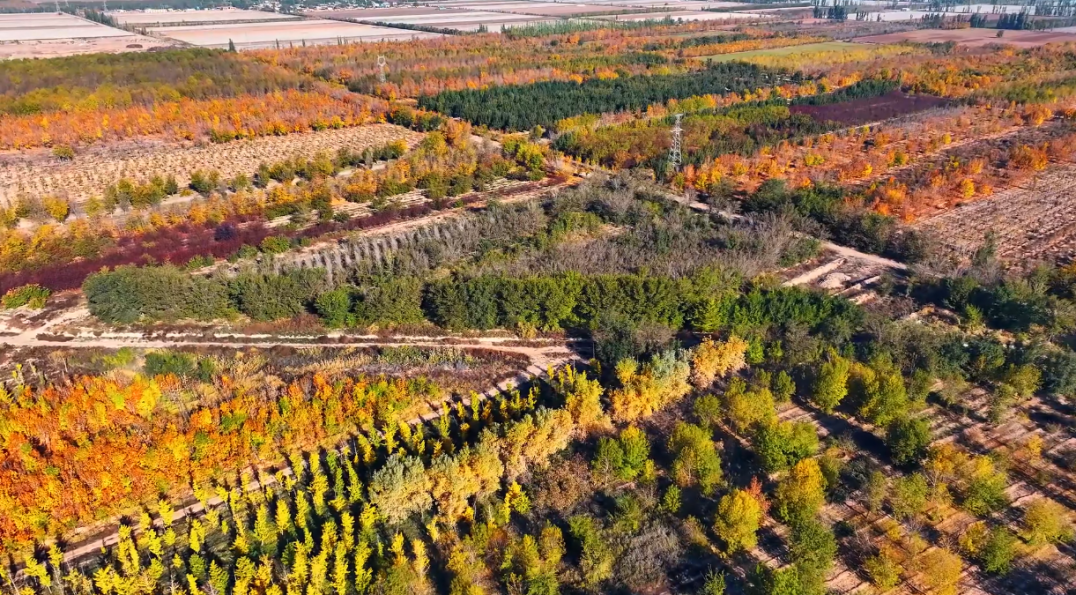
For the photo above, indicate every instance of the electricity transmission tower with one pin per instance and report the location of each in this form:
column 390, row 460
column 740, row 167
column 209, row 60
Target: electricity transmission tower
column 382, row 64
column 674, row 151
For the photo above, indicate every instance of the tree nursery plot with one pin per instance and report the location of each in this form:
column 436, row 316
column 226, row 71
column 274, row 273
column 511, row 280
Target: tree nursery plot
column 543, row 104
column 583, row 306
column 89, row 175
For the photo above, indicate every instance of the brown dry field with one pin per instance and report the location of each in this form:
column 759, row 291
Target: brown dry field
column 288, row 33
column 972, row 37
column 90, row 174
column 1033, row 222
column 567, row 10
column 378, row 14
column 193, row 17
column 75, row 47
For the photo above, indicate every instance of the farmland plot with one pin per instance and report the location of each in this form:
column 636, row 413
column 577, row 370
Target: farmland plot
column 187, row 17
column 33, row 35
column 38, row 27
column 289, row 33
column 1034, row 221
column 465, row 20
column 89, row 176
column 870, row 109
column 972, row 37
column 685, row 15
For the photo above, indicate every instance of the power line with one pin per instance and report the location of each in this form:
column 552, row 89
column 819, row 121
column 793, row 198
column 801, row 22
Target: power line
column 382, row 63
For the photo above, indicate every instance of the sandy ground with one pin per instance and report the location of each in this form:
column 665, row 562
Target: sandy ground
column 48, row 35
column 1032, row 222
column 973, row 37
column 447, row 19
column 685, row 15
column 381, row 14
column 316, row 31
column 169, row 17
column 74, row 47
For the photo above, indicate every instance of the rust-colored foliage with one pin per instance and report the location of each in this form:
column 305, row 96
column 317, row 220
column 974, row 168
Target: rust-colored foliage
column 73, row 454
column 218, row 120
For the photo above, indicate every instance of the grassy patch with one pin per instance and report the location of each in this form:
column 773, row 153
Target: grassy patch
column 827, row 46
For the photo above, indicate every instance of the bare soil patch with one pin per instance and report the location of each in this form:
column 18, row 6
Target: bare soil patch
column 76, row 47
column 49, row 35
column 1032, row 222
column 973, row 37
column 181, row 17
column 870, row 109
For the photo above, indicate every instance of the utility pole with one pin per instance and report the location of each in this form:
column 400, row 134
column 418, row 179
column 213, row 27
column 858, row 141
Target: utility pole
column 675, row 155
column 382, row 64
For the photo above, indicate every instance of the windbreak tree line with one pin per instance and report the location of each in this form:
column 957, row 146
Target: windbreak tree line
column 129, row 294
column 872, row 87
column 521, row 107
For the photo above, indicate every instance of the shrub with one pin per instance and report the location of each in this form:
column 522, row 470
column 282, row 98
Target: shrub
column 203, row 182
column 908, row 439
column 129, row 293
column 390, row 300
column 334, row 307
column 58, row 208
column 274, row 297
column 33, row 296
column 170, row 362
column 63, row 153
column 275, row 245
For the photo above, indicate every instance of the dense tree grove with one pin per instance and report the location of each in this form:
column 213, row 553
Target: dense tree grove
column 741, row 129
column 129, row 294
column 135, row 78
column 543, row 104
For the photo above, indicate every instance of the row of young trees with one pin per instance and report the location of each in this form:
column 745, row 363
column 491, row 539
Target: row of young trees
column 130, row 294
column 859, row 159
column 335, row 521
column 443, row 167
